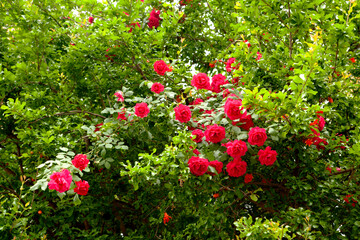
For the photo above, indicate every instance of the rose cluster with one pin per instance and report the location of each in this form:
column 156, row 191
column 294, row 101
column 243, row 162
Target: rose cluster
column 61, row 181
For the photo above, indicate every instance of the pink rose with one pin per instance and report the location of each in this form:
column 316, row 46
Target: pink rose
column 214, row 133
column 80, row 161
column 60, row 181
column 157, row 88
column 119, row 96
column 198, row 166
column 267, row 157
column 217, row 81
column 257, row 136
column 91, row 20
column 233, row 109
column 236, row 148
column 82, row 187
column 248, row 178
column 236, row 167
column 141, row 110
column 182, row 113
column 161, row 68
column 217, row 165
column 201, row 81
column 199, row 135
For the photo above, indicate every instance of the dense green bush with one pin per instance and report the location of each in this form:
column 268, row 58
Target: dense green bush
column 295, row 70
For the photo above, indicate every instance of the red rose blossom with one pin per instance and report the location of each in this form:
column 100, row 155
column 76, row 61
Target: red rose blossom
column 157, row 88
column 233, row 109
column 199, row 135
column 267, row 157
column 201, row 81
column 82, row 187
column 198, row 166
column 236, row 167
column 248, row 178
column 80, row 161
column 155, row 14
column 166, row 218
column 217, row 165
column 98, row 126
column 257, row 136
column 91, row 20
column 122, row 114
column 214, row 133
column 236, row 148
column 141, row 110
column 153, row 22
column 161, row 68
column 217, row 81
column 182, row 113
column 229, row 63
column 60, row 181
column 245, row 122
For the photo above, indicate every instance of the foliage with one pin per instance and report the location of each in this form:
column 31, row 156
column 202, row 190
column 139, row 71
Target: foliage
column 296, row 68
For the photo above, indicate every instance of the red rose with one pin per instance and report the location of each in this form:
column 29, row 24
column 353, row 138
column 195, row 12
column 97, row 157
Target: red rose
column 317, row 141
column 199, row 135
column 214, row 133
column 216, row 195
column 248, row 178
column 161, row 68
column 122, row 114
column 157, row 88
column 141, row 110
column 217, row 165
column 60, row 181
column 198, row 166
column 229, row 63
column 353, row 60
column 201, row 81
column 153, row 22
column 182, row 113
column 321, row 123
column 82, row 187
column 236, row 167
column 155, row 14
column 246, row 121
column 233, row 109
column 267, row 157
column 91, row 20
column 80, row 161
column 98, row 126
column 184, row 2
column 217, row 81
column 134, row 24
column 257, row 136
column 166, row 218
column 236, row 148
